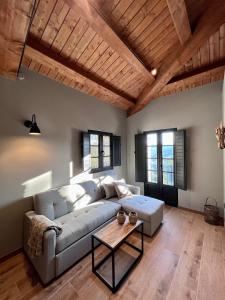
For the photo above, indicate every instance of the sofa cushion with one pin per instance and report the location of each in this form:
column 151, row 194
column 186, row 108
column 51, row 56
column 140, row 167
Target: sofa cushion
column 93, row 190
column 144, row 206
column 57, row 202
column 80, row 222
column 50, row 204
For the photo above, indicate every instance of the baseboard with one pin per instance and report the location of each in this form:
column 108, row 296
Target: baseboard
column 6, row 257
column 221, row 220
column 191, row 210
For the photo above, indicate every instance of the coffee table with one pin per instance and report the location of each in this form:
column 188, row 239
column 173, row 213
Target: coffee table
column 113, row 236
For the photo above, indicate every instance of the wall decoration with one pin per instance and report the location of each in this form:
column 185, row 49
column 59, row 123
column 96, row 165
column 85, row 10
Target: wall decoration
column 220, row 134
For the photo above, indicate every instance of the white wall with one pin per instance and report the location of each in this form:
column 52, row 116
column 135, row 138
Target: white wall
column 199, row 111
column 31, row 164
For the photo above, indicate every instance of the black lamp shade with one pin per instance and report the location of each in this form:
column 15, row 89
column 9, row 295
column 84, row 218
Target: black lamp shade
column 34, row 129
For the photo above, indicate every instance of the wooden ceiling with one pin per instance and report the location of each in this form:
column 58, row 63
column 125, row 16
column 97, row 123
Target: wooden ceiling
column 108, row 48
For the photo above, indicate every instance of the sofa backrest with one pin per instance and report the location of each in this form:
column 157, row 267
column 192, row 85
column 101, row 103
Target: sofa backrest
column 57, row 202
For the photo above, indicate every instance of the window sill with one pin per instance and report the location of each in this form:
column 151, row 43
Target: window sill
column 100, row 170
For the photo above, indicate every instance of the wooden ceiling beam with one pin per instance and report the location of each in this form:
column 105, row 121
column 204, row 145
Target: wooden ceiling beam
column 101, row 26
column 14, row 23
column 180, row 19
column 47, row 57
column 208, row 24
column 210, row 75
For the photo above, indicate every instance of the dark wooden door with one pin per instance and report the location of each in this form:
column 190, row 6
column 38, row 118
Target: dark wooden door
column 160, row 179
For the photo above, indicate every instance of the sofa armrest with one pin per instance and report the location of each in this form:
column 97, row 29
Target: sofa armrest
column 134, row 189
column 44, row 264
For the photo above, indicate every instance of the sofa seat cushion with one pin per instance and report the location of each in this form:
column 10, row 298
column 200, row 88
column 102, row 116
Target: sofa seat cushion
column 144, row 206
column 80, row 222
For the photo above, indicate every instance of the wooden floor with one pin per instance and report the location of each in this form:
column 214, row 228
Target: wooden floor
column 185, row 260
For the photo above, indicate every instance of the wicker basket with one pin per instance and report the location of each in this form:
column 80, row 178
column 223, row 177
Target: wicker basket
column 211, row 212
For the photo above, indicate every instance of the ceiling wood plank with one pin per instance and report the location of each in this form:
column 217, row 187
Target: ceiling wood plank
column 210, row 75
column 39, row 53
column 14, row 23
column 100, row 25
column 180, row 19
column 209, row 23
column 42, row 16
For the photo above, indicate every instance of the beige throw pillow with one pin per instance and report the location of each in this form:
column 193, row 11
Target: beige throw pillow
column 122, row 189
column 110, row 190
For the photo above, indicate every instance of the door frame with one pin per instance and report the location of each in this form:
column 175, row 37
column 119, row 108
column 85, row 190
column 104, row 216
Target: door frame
column 159, row 160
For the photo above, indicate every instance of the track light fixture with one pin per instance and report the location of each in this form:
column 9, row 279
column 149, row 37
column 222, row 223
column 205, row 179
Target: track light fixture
column 154, row 72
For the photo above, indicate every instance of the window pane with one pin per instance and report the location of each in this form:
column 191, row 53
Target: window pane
column 94, row 151
column 94, row 139
column 151, row 139
column 106, row 140
column 168, row 178
column 152, row 176
column 152, row 164
column 106, row 161
column 94, row 163
column 167, row 151
column 167, row 138
column 168, row 165
column 152, row 152
column 106, row 150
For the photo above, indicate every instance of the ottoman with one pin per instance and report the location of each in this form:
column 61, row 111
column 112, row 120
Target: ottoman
column 150, row 210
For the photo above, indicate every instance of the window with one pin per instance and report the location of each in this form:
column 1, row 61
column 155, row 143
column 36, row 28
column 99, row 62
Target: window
column 152, row 158
column 101, row 150
column 106, row 150
column 94, row 144
column 168, row 158
column 160, row 157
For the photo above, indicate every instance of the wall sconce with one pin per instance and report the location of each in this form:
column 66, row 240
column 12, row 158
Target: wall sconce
column 220, row 135
column 34, row 130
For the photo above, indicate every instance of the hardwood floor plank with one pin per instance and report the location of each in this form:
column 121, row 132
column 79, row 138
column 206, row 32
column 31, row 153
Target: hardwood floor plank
column 172, row 234
column 11, row 292
column 211, row 280
column 185, row 281
column 66, row 293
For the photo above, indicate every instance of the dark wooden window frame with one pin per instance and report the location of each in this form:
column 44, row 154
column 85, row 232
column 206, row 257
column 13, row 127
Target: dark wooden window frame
column 158, row 156
column 100, row 149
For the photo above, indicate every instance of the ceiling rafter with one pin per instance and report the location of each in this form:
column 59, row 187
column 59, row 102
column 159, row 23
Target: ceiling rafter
column 101, row 26
column 208, row 24
column 180, row 19
column 212, row 74
column 14, row 24
column 39, row 53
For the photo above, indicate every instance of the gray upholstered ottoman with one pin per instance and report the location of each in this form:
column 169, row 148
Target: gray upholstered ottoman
column 149, row 210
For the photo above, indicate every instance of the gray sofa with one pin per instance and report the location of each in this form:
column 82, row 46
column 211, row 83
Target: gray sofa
column 81, row 209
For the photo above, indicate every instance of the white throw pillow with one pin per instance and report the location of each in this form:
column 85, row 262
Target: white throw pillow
column 122, row 189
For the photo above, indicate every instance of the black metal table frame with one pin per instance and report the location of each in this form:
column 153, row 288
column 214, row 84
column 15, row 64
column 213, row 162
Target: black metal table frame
column 115, row 287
